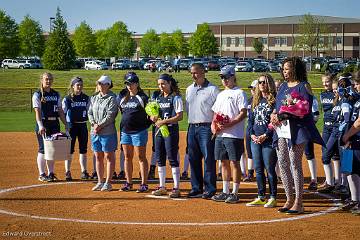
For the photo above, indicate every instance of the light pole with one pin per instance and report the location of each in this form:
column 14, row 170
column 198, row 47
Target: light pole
column 317, row 41
column 51, row 21
column 335, row 42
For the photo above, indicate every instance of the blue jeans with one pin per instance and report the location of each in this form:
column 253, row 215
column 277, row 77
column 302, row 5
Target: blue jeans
column 201, row 146
column 264, row 157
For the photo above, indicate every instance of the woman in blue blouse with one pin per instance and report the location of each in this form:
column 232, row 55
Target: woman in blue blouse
column 290, row 151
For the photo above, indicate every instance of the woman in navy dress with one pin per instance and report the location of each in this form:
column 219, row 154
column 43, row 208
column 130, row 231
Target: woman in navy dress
column 302, row 130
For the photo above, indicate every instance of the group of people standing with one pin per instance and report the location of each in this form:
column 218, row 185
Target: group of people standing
column 216, row 131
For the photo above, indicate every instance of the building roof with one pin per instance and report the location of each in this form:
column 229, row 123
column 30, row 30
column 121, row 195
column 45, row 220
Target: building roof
column 287, row 20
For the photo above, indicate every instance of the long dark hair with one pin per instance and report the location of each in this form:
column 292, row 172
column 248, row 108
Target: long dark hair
column 298, row 69
column 173, row 83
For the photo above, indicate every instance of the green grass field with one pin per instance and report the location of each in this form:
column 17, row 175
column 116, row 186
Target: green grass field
column 17, row 86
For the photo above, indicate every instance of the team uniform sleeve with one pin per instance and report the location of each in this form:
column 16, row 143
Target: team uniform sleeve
column 64, row 105
column 178, row 104
column 36, row 100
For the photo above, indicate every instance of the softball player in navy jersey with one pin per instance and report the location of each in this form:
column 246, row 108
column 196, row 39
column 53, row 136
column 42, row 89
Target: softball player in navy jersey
column 327, row 103
column 171, row 112
column 134, row 134
column 309, row 149
column 75, row 106
column 341, row 112
column 352, row 138
column 47, row 105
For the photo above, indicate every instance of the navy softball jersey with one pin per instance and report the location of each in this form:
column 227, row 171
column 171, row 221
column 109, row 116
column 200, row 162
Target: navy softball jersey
column 49, row 108
column 134, row 118
column 49, row 114
column 168, row 147
column 327, row 103
column 76, row 108
column 355, row 140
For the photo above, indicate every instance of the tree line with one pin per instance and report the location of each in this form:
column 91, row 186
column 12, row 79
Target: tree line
column 60, row 49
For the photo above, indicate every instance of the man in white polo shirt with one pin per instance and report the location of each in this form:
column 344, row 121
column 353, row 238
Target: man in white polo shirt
column 200, row 97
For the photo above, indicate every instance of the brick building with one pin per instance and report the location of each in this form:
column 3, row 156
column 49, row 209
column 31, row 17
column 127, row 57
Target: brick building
column 278, row 34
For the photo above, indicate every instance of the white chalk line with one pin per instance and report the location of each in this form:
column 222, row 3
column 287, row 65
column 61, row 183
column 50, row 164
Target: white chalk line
column 12, row 213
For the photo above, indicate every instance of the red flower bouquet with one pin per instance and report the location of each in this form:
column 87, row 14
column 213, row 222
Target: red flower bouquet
column 219, row 119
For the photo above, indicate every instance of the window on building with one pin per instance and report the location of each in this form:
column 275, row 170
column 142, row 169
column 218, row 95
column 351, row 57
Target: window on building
column 277, row 41
column 330, row 40
column 338, row 40
column 263, row 40
column 228, row 41
column 236, row 41
column 283, row 41
column 321, row 40
column 232, row 41
column 242, row 41
column 224, row 41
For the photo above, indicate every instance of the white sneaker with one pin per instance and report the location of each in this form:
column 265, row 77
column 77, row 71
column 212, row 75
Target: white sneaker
column 107, row 187
column 98, row 187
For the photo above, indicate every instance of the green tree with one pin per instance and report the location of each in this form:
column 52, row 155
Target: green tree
column 119, row 41
column 167, row 45
column 84, row 41
column 32, row 40
column 203, row 42
column 257, row 45
column 101, row 37
column 310, row 29
column 59, row 52
column 182, row 47
column 9, row 39
column 150, row 44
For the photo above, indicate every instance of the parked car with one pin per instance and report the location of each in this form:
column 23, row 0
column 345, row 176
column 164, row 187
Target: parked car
column 213, row 65
column 184, row 63
column 273, row 67
column 34, row 63
column 12, row 63
column 134, row 65
column 149, row 63
column 259, row 67
column 121, row 64
column 243, row 67
column 95, row 65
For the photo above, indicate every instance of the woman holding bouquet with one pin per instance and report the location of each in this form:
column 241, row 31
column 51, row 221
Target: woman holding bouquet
column 170, row 113
column 292, row 104
column 263, row 153
column 134, row 134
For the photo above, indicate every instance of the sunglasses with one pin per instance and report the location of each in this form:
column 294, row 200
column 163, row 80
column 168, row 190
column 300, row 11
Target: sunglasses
column 262, row 82
column 225, row 77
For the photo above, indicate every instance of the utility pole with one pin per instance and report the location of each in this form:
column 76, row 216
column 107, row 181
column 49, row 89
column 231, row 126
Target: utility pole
column 51, row 23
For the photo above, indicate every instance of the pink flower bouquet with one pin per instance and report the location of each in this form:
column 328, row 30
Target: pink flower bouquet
column 295, row 104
